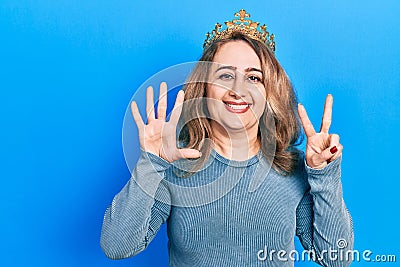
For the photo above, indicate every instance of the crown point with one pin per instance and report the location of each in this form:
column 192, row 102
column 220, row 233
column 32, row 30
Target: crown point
column 240, row 24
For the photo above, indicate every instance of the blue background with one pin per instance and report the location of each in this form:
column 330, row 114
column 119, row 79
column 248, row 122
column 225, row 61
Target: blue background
column 69, row 68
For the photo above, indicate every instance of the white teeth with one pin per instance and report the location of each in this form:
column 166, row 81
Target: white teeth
column 237, row 107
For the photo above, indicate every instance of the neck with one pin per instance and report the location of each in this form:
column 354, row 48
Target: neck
column 237, row 145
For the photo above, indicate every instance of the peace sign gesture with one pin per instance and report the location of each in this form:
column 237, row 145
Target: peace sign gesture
column 322, row 147
column 159, row 136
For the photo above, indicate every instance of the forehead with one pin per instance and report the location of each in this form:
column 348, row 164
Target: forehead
column 238, row 54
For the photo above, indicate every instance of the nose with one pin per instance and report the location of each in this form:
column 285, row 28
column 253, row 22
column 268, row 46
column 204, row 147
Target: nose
column 239, row 89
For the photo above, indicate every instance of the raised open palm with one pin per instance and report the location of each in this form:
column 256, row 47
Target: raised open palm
column 322, row 147
column 159, row 136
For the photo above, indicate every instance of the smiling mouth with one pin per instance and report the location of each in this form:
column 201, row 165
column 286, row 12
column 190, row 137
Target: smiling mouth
column 237, row 107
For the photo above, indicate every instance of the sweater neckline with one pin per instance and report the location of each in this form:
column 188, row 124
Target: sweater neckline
column 236, row 163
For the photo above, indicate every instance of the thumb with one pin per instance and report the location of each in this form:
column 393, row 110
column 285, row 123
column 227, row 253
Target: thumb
column 327, row 154
column 331, row 151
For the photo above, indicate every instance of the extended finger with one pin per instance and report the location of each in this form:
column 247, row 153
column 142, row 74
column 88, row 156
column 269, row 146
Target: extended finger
column 162, row 102
column 136, row 115
column 327, row 117
column 150, row 104
column 307, row 125
column 176, row 112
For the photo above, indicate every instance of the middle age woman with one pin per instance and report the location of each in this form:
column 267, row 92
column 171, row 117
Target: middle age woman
column 231, row 101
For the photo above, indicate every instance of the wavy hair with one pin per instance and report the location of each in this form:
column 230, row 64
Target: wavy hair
column 281, row 103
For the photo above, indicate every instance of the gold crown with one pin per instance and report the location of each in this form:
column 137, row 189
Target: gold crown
column 245, row 26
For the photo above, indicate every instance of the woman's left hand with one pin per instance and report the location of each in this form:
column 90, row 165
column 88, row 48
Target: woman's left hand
column 322, row 147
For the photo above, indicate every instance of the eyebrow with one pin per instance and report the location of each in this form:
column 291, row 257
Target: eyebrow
column 252, row 69
column 234, row 68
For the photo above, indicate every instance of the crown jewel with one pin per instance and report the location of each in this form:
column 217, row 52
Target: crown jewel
column 243, row 25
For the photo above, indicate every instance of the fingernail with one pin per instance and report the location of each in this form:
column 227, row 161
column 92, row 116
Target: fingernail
column 333, row 150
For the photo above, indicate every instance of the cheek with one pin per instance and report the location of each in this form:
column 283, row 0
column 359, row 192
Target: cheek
column 259, row 93
column 260, row 101
column 259, row 107
column 215, row 91
column 211, row 98
column 262, row 92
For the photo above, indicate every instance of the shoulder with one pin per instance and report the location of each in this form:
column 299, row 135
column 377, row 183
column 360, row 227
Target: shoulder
column 300, row 171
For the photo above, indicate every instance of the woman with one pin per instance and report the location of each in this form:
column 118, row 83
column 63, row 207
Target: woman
column 241, row 118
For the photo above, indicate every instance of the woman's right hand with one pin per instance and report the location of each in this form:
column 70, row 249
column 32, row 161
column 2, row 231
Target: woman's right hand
column 159, row 136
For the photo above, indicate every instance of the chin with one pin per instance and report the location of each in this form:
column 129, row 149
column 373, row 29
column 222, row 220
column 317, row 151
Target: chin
column 239, row 125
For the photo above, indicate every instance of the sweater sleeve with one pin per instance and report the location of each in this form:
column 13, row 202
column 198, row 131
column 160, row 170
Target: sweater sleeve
column 138, row 210
column 323, row 223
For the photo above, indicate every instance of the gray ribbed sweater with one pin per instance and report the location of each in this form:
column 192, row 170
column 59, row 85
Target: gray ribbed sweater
column 238, row 228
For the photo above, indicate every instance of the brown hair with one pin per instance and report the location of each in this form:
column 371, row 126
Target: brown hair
column 281, row 103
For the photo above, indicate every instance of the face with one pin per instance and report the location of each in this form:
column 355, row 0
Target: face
column 236, row 96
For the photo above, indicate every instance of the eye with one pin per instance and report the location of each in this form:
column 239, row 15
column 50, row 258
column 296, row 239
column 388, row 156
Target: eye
column 254, row 79
column 226, row 77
